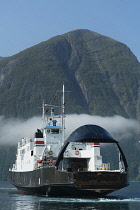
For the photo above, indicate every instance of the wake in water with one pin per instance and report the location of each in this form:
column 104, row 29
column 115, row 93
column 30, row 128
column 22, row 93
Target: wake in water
column 117, row 199
column 78, row 200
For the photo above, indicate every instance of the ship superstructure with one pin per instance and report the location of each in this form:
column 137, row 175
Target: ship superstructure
column 50, row 165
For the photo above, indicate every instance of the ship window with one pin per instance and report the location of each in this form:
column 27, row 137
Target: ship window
column 55, row 131
column 32, row 152
column 23, row 151
column 48, row 131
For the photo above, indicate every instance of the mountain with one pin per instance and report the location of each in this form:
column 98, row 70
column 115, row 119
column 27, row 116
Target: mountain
column 1, row 58
column 101, row 74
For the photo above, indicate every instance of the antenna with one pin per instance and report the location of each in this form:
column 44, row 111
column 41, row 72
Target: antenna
column 63, row 116
column 63, row 113
column 43, row 110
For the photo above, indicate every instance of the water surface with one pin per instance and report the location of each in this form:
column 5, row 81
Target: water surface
column 125, row 199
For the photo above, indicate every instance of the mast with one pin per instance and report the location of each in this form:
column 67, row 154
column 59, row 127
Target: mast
column 63, row 115
column 43, row 110
column 52, row 113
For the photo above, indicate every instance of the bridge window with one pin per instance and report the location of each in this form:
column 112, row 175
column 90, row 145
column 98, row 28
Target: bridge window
column 55, row 131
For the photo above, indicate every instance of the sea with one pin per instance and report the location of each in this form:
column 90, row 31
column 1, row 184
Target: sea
column 125, row 199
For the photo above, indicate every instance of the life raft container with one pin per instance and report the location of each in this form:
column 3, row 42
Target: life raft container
column 39, row 161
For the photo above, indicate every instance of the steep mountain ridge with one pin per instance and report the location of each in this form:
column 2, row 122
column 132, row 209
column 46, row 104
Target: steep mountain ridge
column 111, row 63
column 101, row 73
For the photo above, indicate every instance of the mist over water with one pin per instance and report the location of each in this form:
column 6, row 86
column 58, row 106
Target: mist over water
column 119, row 127
column 13, row 129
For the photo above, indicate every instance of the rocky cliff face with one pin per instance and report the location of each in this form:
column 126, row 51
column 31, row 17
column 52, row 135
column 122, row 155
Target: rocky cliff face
column 101, row 73
column 107, row 73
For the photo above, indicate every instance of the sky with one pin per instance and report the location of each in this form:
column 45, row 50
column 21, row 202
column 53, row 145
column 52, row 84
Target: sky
column 25, row 23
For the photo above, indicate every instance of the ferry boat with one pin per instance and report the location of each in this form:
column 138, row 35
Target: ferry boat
column 48, row 164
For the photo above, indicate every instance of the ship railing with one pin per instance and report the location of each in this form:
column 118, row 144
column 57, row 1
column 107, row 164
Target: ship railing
column 45, row 164
column 25, row 141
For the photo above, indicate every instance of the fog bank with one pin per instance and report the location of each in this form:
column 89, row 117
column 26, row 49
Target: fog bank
column 12, row 130
column 119, row 127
